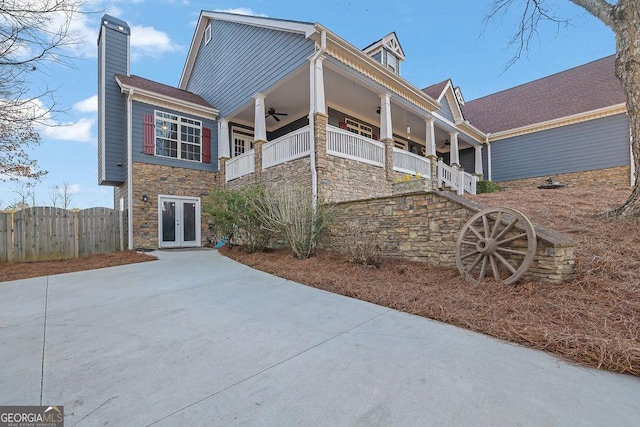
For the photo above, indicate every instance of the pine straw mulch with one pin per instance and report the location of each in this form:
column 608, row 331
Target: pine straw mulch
column 592, row 320
column 25, row 270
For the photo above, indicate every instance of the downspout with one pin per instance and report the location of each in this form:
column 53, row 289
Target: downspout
column 129, row 171
column 486, row 140
column 314, row 173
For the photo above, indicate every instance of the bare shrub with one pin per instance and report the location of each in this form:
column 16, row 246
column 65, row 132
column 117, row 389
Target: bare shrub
column 363, row 245
column 289, row 211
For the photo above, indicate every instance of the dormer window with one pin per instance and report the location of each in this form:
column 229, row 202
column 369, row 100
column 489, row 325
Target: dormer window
column 387, row 51
column 391, row 62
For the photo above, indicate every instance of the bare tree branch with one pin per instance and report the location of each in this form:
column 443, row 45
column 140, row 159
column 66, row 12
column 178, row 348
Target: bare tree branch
column 601, row 9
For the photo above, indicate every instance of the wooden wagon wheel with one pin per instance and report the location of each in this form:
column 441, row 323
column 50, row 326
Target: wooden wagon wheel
column 500, row 239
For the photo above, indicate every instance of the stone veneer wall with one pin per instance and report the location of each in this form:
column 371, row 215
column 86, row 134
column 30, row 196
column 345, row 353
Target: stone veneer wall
column 611, row 177
column 297, row 172
column 153, row 180
column 344, row 179
column 424, row 226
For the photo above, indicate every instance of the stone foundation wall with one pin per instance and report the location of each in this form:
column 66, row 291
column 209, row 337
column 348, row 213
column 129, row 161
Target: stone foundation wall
column 344, row 179
column 296, row 172
column 424, row 226
column 610, row 177
column 153, row 180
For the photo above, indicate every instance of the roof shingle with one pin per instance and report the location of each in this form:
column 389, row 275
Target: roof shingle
column 577, row 90
column 162, row 89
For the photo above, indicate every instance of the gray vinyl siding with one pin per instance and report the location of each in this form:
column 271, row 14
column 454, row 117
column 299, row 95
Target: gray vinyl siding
column 596, row 144
column 468, row 160
column 445, row 109
column 242, row 60
column 139, row 110
column 115, row 135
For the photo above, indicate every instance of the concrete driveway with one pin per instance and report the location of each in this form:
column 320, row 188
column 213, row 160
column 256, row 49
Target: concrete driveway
column 197, row 339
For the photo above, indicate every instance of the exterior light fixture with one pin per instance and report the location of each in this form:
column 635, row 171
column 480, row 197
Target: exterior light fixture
column 145, row 198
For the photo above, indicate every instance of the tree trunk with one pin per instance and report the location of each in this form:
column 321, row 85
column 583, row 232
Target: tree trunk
column 626, row 26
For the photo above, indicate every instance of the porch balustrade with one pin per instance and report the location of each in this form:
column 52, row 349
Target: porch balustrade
column 349, row 145
column 241, row 165
column 406, row 162
column 289, row 147
column 458, row 180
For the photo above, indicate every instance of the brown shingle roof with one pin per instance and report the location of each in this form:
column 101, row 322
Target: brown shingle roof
column 162, row 89
column 435, row 90
column 578, row 90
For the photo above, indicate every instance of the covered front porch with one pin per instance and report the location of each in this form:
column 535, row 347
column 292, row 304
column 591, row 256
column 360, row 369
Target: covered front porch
column 330, row 114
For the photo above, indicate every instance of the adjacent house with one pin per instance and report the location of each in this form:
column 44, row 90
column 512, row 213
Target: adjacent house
column 292, row 102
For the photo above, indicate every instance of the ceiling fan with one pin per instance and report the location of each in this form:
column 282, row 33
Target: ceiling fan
column 272, row 112
column 445, row 143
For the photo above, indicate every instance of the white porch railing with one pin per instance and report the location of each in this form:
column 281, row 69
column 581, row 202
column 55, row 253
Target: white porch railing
column 349, row 145
column 406, row 162
column 458, row 180
column 241, row 165
column 291, row 146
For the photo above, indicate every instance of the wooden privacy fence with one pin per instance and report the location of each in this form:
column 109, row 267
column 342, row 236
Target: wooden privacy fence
column 48, row 233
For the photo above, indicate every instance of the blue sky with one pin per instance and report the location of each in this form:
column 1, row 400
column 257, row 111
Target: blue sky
column 441, row 39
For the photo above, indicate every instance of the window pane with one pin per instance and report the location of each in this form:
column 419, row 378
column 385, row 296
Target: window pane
column 189, row 222
column 168, row 222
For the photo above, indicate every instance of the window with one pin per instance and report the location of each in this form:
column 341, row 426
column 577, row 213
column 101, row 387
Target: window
column 359, row 128
column 242, row 141
column 178, row 137
column 207, row 34
column 392, row 61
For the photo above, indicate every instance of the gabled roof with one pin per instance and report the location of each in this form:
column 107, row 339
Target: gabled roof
column 435, row 91
column 578, row 90
column 301, row 27
column 390, row 41
column 180, row 99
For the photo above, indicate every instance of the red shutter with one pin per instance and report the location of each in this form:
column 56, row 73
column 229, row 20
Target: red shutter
column 206, row 145
column 148, row 134
column 343, row 125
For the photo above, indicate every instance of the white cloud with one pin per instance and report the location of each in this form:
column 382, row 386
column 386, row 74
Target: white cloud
column 89, row 105
column 147, row 41
column 69, row 131
column 241, row 11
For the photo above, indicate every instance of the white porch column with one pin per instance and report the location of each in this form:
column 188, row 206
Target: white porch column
column 478, row 166
column 223, row 139
column 260, row 125
column 454, row 155
column 319, row 105
column 430, row 141
column 386, row 129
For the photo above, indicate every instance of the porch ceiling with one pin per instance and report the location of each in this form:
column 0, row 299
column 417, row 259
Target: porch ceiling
column 345, row 93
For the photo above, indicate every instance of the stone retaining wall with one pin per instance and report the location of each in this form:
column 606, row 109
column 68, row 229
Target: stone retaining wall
column 601, row 178
column 424, row 226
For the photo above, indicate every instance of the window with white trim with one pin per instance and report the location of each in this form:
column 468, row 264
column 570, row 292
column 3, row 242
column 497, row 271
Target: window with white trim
column 359, row 128
column 207, row 34
column 242, row 141
column 178, row 137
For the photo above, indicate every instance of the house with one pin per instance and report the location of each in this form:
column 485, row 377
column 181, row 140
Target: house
column 272, row 100
column 279, row 101
column 571, row 127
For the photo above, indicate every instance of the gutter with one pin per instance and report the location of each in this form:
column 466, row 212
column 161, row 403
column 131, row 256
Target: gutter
column 129, row 171
column 312, row 111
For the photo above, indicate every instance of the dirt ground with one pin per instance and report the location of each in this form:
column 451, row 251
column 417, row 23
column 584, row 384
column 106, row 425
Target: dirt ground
column 25, row 270
column 591, row 320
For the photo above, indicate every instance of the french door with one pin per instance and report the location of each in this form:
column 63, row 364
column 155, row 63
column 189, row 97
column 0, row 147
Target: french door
column 178, row 222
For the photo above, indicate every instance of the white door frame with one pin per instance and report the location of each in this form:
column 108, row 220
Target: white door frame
column 179, row 243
